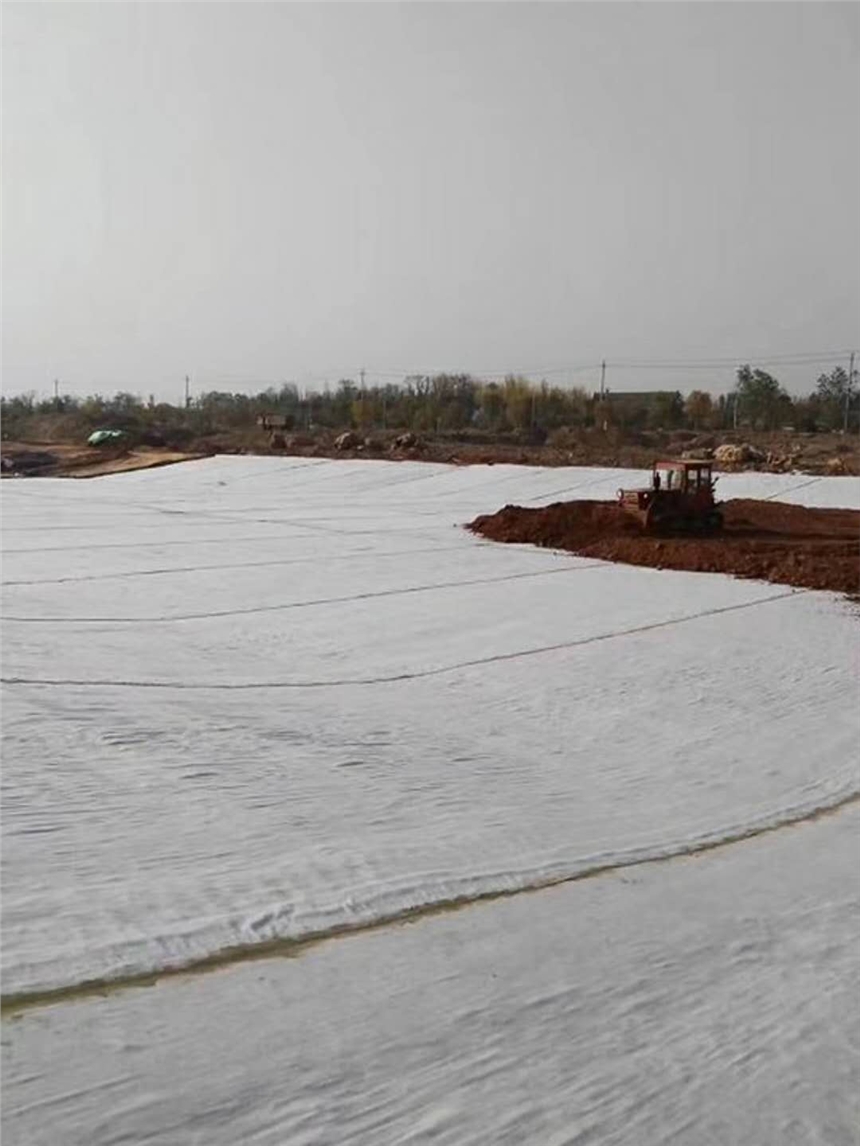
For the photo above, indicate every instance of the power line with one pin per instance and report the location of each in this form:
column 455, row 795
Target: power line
column 495, row 373
column 799, row 358
column 802, row 358
column 807, row 358
column 733, row 364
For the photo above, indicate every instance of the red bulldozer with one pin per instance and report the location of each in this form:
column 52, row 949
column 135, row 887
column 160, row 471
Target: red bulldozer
column 680, row 498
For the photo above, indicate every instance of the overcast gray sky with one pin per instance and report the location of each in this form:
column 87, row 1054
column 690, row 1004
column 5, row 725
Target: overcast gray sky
column 262, row 192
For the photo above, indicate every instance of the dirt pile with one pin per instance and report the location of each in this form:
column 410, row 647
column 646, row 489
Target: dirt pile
column 21, row 460
column 811, row 548
column 731, row 455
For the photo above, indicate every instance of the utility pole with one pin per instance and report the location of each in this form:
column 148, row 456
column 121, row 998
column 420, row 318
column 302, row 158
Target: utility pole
column 361, row 374
column 57, row 390
column 187, row 391
column 848, row 391
column 604, row 421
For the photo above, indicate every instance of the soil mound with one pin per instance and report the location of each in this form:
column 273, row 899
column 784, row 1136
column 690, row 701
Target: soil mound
column 766, row 540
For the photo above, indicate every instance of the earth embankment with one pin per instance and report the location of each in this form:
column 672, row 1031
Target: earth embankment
column 766, row 540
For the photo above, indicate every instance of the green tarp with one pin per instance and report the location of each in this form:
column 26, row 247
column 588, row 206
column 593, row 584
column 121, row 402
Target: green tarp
column 99, row 437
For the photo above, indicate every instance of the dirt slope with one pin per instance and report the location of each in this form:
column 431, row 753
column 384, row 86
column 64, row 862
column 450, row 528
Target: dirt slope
column 23, row 459
column 813, row 548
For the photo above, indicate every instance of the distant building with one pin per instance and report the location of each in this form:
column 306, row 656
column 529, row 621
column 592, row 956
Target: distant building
column 276, row 421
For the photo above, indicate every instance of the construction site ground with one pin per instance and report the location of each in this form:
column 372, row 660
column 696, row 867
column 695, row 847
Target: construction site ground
column 292, row 762
column 766, row 540
column 69, row 459
column 780, row 451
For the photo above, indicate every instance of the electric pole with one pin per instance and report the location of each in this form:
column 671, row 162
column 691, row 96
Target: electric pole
column 187, row 391
column 604, row 421
column 57, row 389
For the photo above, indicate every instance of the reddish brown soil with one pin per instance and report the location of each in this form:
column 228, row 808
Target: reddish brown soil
column 813, row 548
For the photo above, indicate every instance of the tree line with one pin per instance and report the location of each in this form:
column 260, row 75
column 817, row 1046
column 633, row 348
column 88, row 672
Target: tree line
column 445, row 403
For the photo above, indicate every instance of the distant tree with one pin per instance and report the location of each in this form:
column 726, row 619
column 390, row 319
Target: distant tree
column 425, row 403
column 491, row 403
column 288, row 398
column 760, row 398
column 342, row 402
column 452, row 400
column 699, row 408
column 361, row 412
column 519, row 402
column 836, row 394
column 125, row 403
column 580, row 407
column 666, row 410
column 806, row 413
column 558, row 406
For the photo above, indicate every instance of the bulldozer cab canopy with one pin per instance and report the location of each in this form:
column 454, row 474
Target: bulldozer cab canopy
column 683, row 473
column 684, row 464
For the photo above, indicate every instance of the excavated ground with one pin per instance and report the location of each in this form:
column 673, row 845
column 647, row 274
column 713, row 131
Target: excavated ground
column 767, row 540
